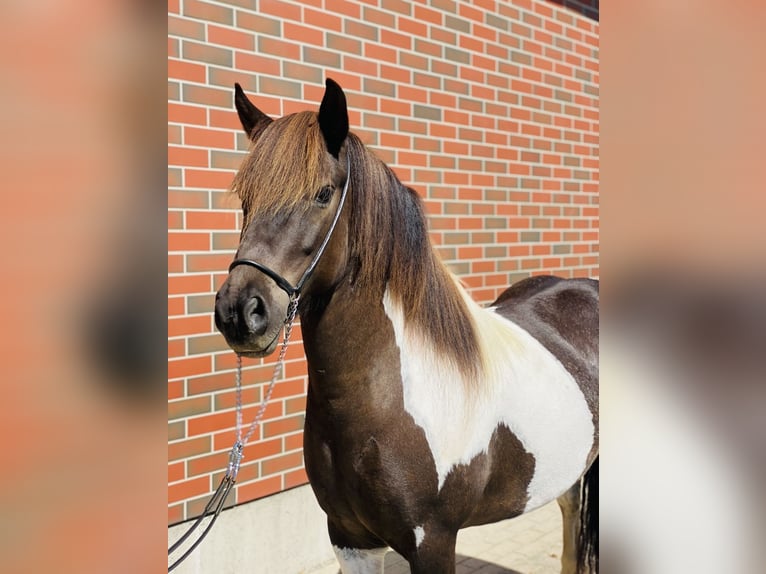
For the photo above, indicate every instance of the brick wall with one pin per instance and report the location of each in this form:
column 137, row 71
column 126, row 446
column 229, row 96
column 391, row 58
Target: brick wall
column 489, row 109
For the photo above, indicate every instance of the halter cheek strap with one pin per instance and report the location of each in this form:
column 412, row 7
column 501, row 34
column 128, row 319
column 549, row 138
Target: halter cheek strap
column 284, row 284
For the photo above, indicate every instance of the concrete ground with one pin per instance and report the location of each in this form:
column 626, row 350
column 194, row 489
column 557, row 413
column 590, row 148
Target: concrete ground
column 529, row 544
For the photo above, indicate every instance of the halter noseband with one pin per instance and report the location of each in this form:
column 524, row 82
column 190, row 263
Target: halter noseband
column 283, row 283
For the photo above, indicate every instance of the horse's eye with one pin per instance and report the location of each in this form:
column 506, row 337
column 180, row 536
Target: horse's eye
column 325, row 195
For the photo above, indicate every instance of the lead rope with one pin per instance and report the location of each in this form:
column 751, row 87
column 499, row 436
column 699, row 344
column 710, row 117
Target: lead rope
column 217, row 501
column 291, row 313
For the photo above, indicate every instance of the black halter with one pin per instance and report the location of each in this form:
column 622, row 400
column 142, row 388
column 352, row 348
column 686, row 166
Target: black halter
column 283, row 283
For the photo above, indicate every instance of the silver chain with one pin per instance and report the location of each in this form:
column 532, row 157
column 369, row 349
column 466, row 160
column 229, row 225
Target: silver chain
column 235, row 456
column 218, row 500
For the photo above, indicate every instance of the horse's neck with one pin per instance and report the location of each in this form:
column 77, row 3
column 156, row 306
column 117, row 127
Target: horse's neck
column 345, row 339
column 391, row 256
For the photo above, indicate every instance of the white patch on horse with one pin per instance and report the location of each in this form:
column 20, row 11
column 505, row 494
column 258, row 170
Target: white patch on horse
column 361, row 561
column 523, row 387
column 420, row 534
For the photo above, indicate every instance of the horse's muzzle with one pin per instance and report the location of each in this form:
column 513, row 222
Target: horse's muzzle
column 245, row 322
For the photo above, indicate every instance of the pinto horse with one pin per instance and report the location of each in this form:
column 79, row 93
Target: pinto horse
column 426, row 413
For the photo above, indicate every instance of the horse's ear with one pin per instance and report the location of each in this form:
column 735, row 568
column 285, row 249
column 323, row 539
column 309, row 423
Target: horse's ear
column 333, row 117
column 253, row 120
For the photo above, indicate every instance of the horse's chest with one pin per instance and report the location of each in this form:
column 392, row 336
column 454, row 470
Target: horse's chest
column 370, row 474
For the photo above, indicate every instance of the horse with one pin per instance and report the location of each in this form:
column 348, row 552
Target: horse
column 426, row 412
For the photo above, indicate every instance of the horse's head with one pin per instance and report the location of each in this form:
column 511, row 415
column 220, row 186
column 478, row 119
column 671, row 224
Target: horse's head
column 291, row 187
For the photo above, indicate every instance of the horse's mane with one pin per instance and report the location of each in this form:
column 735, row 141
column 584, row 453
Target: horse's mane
column 388, row 236
column 390, row 245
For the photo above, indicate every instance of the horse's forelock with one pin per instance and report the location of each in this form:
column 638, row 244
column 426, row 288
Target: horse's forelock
column 284, row 166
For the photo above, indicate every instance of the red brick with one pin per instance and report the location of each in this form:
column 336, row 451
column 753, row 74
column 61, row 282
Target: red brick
column 188, row 325
column 289, row 50
column 296, row 369
column 207, row 464
column 210, row 179
column 174, row 137
column 380, row 53
column 489, row 34
column 188, row 284
column 470, row 43
column 282, row 463
column 187, row 156
column 231, row 38
column 175, row 264
column 207, row 262
column 469, row 13
column 295, row 405
column 288, row 388
column 400, row 6
column 188, row 367
column 208, row 138
column 184, row 114
column 296, row 478
column 208, row 11
column 358, row 66
column 188, row 71
column 211, row 423
column 226, row 119
column 283, row 426
column 428, row 15
column 203, row 52
column 257, row 63
column 303, row 34
column 175, row 513
column 210, row 220
column 342, row 43
column 176, row 306
column 323, row 19
column 282, row 10
column 188, row 489
column 414, row 28
column 228, row 400
column 442, row 131
column 208, row 96
column 183, row 198
column 395, row 140
column 175, row 389
column 259, row 488
column 294, row 351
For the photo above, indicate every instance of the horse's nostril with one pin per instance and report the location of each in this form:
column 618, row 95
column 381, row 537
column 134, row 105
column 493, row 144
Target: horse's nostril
column 254, row 306
column 254, row 313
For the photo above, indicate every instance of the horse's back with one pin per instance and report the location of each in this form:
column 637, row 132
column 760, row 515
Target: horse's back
column 562, row 314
